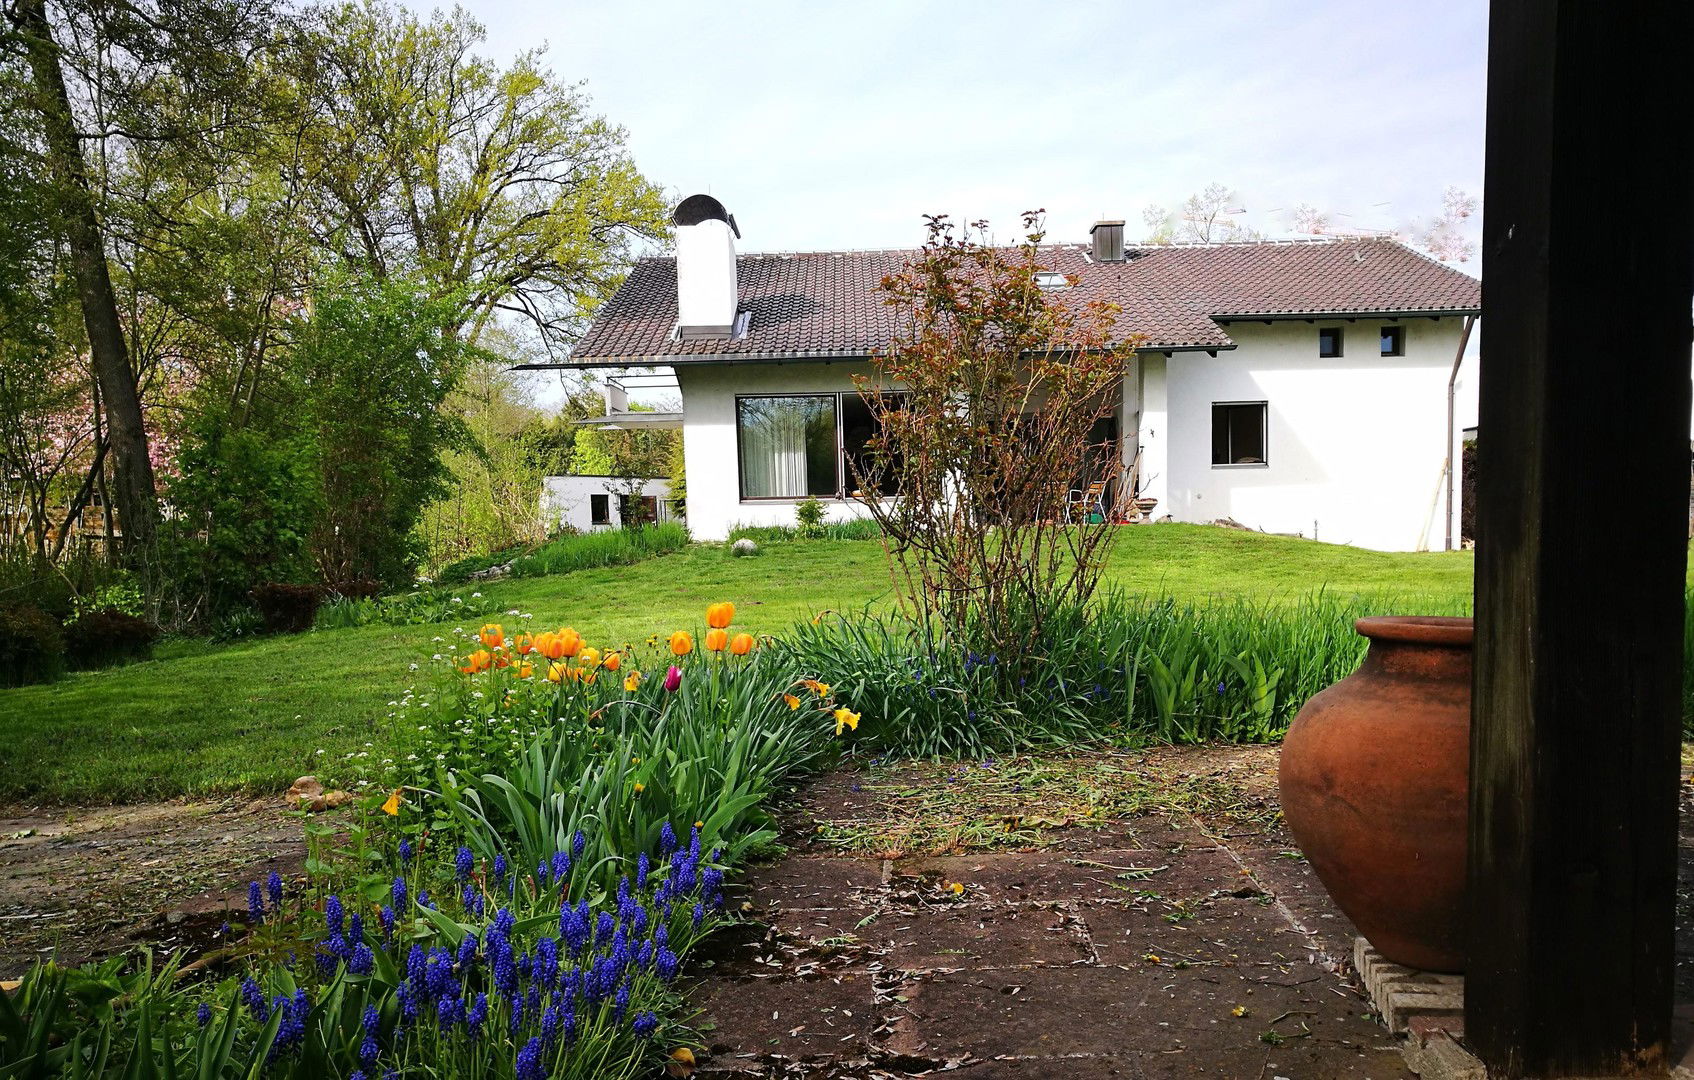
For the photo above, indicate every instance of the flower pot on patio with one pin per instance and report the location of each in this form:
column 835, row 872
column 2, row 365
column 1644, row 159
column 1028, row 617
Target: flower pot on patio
column 1374, row 781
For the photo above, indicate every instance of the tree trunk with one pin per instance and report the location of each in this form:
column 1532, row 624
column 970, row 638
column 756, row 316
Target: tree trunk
column 137, row 501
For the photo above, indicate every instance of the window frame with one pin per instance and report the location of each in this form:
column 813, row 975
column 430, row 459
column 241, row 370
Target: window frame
column 840, row 494
column 1340, row 333
column 1398, row 332
column 1264, row 435
column 606, row 498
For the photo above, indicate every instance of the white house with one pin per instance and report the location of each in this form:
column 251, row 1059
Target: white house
column 1293, row 386
column 588, row 503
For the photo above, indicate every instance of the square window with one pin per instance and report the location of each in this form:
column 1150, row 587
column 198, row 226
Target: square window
column 1394, row 341
column 600, row 509
column 1238, row 433
column 1329, row 341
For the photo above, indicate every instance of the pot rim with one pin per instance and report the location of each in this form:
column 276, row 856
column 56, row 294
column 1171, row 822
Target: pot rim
column 1448, row 630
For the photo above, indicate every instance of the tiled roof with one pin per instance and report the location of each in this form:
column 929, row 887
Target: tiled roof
column 829, row 303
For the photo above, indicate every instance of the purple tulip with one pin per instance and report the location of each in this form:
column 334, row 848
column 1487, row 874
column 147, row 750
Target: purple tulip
column 673, row 679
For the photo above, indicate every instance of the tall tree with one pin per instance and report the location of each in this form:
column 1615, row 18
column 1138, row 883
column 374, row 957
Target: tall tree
column 497, row 184
column 126, row 435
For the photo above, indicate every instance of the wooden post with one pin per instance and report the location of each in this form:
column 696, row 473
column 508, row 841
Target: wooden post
column 1588, row 268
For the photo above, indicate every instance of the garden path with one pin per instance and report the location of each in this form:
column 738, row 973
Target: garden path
column 1119, row 915
column 92, row 880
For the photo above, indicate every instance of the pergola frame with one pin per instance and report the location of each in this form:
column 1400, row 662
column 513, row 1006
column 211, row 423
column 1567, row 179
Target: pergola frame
column 1583, row 482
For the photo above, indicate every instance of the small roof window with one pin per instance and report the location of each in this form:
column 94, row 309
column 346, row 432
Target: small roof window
column 1047, row 279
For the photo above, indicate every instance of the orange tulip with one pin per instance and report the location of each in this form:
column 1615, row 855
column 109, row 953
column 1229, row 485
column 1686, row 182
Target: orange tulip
column 477, row 661
column 549, row 644
column 716, row 640
column 612, row 662
column 682, row 643
column 741, row 644
column 719, row 616
column 572, row 641
column 493, row 635
column 523, row 644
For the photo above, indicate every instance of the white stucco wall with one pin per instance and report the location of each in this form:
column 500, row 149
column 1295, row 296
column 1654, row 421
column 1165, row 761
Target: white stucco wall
column 712, row 455
column 1354, row 443
column 565, row 500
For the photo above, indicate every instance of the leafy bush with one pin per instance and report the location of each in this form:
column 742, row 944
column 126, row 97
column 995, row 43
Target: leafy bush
column 32, row 648
column 103, row 638
column 1123, row 668
column 419, row 608
column 808, row 519
column 611, row 547
column 287, row 609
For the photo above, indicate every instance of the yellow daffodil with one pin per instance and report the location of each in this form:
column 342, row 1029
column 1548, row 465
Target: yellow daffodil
column 955, row 888
column 821, row 689
column 632, row 682
column 793, row 702
column 391, row 807
column 846, row 718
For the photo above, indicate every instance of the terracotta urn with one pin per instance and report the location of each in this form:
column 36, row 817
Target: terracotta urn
column 1374, row 780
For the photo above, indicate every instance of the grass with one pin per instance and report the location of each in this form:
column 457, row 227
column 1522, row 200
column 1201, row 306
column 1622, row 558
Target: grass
column 251, row 716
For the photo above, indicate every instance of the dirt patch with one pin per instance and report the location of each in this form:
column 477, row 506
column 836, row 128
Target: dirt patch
column 84, row 882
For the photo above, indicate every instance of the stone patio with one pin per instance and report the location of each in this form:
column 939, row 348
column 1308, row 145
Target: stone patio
column 1152, row 945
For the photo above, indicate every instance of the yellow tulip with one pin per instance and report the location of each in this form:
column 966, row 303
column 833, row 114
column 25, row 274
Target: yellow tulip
column 524, row 671
column 630, row 684
column 717, row 640
column 589, row 658
column 741, row 644
column 556, row 672
column 682, row 643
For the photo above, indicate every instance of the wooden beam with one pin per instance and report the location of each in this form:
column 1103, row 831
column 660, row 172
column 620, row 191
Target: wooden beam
column 1588, row 268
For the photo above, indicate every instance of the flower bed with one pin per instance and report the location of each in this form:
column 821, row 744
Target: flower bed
column 514, row 901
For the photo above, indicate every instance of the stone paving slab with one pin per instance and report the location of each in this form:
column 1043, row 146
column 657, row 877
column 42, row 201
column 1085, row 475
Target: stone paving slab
column 1143, row 947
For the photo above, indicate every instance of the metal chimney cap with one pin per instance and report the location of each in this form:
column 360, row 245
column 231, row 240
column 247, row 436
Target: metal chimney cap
column 697, row 208
column 1103, row 224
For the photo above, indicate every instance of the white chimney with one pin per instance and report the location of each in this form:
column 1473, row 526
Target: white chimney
column 617, row 398
column 705, row 268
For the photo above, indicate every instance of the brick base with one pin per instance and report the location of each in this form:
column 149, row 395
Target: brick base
column 1427, row 1008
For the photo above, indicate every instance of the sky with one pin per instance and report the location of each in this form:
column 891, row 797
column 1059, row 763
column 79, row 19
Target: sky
column 825, row 125
column 839, row 125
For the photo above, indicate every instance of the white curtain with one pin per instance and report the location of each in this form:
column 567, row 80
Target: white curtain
column 774, row 443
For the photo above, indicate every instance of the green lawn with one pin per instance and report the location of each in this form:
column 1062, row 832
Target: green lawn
column 251, row 716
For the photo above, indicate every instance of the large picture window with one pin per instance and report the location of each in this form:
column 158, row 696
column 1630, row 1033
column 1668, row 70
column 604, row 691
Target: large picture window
column 788, row 446
column 797, row 445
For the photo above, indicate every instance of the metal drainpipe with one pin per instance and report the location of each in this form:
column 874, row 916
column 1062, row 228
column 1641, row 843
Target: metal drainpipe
column 1447, row 456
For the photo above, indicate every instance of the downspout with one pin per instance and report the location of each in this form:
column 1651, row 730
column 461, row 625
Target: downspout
column 1447, row 456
